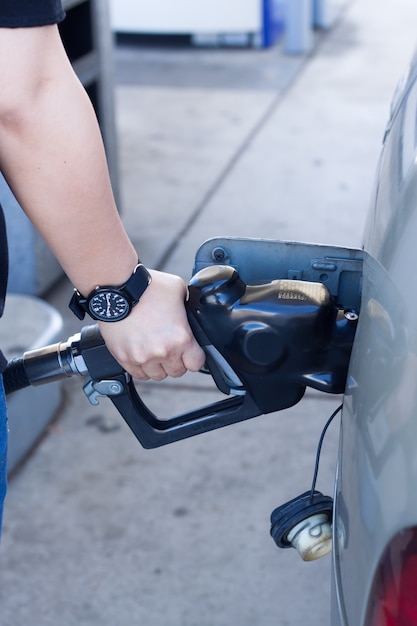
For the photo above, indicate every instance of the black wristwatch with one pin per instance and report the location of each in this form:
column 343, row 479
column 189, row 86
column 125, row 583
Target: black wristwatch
column 112, row 304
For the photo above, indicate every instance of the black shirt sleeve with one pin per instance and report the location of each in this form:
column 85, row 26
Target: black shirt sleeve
column 23, row 13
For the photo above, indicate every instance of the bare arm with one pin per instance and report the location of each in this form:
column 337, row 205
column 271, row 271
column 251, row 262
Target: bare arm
column 52, row 155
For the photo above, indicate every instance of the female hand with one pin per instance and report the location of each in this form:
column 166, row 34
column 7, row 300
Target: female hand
column 155, row 340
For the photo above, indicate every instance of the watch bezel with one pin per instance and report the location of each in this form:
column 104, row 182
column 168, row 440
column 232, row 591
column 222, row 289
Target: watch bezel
column 114, row 292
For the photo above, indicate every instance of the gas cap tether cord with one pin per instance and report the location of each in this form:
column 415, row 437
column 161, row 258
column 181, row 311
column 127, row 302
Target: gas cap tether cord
column 316, row 469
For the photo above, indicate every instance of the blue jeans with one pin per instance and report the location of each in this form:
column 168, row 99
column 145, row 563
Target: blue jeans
column 3, row 448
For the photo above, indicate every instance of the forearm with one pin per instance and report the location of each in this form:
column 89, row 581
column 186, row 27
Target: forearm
column 52, row 155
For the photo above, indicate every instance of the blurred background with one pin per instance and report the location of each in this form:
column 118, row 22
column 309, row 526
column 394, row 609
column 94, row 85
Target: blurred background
column 256, row 118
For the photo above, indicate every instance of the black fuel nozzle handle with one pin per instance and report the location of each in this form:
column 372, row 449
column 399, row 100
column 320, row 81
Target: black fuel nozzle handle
column 86, row 354
column 264, row 345
column 151, row 431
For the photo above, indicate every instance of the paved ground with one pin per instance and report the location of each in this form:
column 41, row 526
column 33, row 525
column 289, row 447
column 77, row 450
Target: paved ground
column 252, row 143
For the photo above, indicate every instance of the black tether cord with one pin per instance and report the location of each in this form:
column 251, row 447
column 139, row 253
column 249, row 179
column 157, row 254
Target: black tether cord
column 316, row 469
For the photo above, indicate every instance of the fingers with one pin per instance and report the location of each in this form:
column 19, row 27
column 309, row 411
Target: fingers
column 194, row 358
column 159, row 371
column 156, row 359
column 172, row 357
column 151, row 367
column 176, row 365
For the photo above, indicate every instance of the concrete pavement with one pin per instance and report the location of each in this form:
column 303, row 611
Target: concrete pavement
column 98, row 531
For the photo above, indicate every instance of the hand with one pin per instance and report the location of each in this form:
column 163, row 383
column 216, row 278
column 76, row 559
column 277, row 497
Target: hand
column 155, row 340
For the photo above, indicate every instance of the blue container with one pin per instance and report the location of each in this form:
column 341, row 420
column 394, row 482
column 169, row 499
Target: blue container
column 273, row 21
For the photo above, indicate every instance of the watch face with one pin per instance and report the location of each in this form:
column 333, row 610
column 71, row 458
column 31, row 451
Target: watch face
column 109, row 306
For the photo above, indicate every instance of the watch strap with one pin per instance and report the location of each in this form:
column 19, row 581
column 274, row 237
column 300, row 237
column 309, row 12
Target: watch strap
column 78, row 304
column 137, row 283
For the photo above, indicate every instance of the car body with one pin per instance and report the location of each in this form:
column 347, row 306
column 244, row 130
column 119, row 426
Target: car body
column 375, row 503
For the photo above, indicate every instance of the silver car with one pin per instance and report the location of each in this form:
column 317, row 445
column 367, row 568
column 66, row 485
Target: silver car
column 375, row 508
